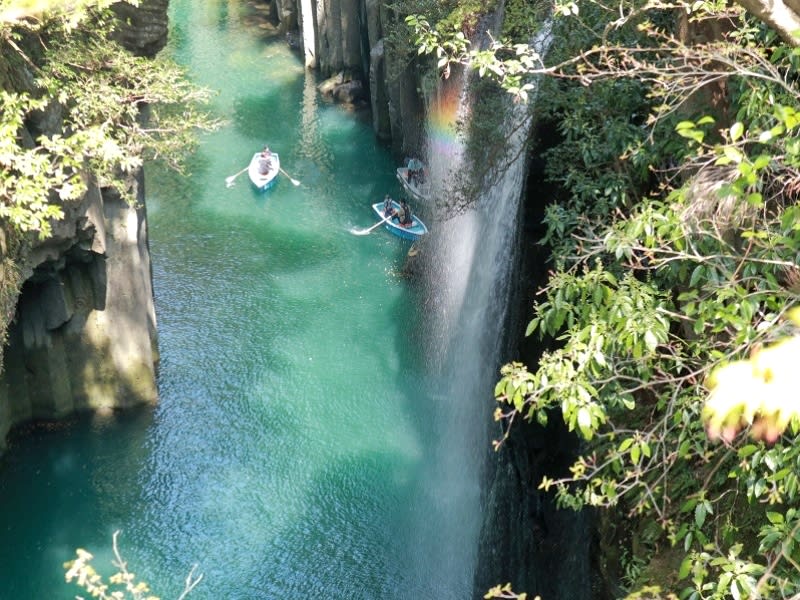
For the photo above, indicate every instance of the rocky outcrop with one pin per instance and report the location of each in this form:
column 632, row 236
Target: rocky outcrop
column 347, row 39
column 343, row 88
column 84, row 334
column 143, row 28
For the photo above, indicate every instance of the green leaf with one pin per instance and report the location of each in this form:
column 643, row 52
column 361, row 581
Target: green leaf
column 775, row 518
column 736, row 131
column 733, row 154
column 747, row 450
column 585, row 422
column 761, row 161
column 650, row 340
column 646, row 449
column 755, row 199
column 686, row 567
column 532, row 327
column 700, row 514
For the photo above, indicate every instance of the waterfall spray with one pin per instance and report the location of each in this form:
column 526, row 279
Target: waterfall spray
column 470, row 263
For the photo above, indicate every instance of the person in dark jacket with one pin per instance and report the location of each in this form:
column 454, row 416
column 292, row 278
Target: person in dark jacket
column 404, row 216
column 265, row 161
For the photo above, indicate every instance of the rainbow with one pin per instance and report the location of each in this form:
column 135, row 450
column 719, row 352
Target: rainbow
column 443, row 115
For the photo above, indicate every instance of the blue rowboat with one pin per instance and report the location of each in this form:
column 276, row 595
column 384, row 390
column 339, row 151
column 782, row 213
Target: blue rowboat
column 264, row 181
column 416, row 229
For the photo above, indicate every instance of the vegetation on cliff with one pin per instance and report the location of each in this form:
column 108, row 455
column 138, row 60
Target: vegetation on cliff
column 675, row 244
column 72, row 111
column 77, row 110
column 122, row 584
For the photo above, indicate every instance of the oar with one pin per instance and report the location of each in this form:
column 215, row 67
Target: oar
column 229, row 180
column 292, row 179
column 366, row 231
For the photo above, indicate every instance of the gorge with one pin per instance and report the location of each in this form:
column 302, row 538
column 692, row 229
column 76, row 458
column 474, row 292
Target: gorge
column 233, row 379
column 356, row 477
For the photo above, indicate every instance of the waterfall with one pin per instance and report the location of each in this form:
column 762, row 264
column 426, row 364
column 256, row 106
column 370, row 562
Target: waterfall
column 469, row 268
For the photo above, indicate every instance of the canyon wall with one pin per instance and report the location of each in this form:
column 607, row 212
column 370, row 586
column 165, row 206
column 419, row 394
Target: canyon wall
column 83, row 335
column 350, row 39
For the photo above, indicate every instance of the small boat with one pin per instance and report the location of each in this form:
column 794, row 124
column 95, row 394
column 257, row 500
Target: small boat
column 264, row 181
column 419, row 190
column 412, row 232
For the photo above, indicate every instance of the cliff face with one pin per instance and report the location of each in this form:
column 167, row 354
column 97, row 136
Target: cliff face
column 144, row 27
column 83, row 334
column 349, row 37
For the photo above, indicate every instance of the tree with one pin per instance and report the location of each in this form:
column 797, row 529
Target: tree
column 111, row 111
column 674, row 245
column 122, row 585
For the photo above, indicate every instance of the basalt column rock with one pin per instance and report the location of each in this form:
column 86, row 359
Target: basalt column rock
column 339, row 36
column 347, row 39
column 286, row 14
column 379, row 92
column 84, row 334
column 143, row 28
column 379, row 96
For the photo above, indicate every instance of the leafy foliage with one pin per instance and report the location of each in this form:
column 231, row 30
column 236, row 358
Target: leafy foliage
column 69, row 14
column 122, row 585
column 107, row 111
column 675, row 248
column 758, row 392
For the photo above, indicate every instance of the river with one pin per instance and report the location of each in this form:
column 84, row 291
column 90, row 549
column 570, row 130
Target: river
column 296, row 448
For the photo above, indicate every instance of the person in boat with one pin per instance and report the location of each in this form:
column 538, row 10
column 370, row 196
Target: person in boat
column 415, row 171
column 265, row 161
column 404, row 216
column 388, row 207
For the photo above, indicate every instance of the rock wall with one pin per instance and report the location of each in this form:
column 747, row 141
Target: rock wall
column 143, row 28
column 347, row 39
column 525, row 540
column 84, row 333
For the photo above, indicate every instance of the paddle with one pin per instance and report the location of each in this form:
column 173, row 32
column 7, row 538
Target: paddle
column 294, row 181
column 366, row 231
column 229, row 180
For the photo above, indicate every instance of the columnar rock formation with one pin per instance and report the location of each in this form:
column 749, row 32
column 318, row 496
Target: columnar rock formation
column 347, row 38
column 84, row 332
column 144, row 27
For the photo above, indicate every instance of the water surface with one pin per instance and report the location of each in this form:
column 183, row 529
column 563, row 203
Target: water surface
column 291, row 452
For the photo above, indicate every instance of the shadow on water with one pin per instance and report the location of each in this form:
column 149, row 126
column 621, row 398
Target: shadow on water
column 263, row 117
column 65, row 471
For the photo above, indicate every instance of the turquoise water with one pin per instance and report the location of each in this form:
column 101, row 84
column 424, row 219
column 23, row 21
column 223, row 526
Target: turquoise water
column 296, row 449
